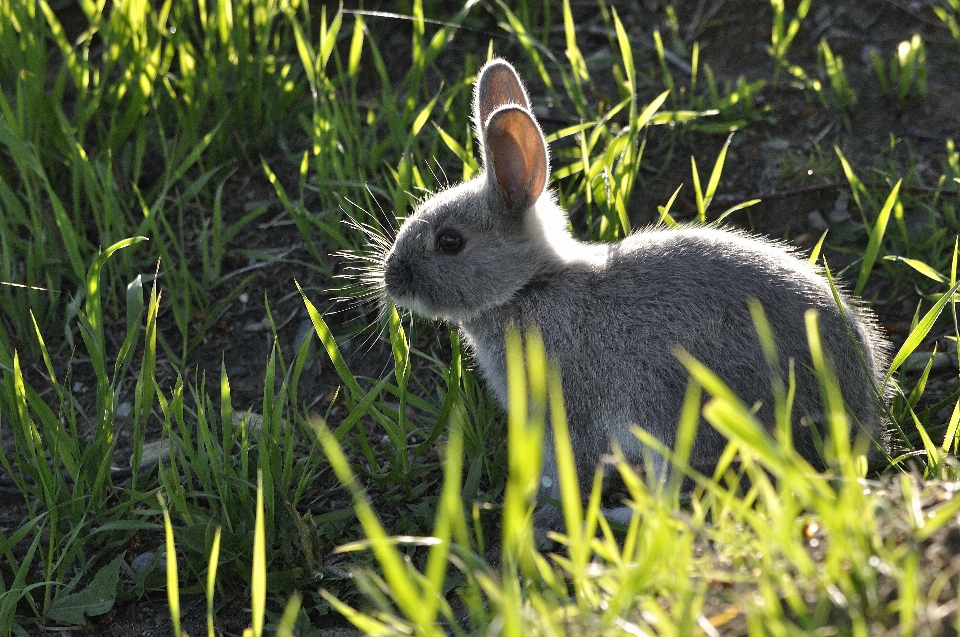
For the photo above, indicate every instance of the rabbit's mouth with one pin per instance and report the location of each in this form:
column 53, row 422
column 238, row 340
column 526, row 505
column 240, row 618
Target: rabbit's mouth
column 417, row 304
column 398, row 284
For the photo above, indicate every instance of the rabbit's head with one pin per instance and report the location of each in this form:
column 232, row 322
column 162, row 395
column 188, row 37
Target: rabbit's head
column 470, row 248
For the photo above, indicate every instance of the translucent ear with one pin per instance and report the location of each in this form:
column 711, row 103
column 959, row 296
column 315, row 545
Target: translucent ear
column 497, row 85
column 515, row 158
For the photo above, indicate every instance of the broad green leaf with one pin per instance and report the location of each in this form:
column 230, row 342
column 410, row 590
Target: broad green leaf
column 96, row 599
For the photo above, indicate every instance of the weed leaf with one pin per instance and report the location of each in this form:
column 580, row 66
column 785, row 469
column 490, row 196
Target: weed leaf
column 96, row 599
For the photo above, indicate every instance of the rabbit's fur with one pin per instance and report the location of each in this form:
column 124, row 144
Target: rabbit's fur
column 495, row 253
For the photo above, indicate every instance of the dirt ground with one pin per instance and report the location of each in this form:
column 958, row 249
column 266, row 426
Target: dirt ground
column 767, row 158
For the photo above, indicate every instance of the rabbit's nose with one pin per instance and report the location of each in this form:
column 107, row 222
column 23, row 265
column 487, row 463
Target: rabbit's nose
column 396, row 274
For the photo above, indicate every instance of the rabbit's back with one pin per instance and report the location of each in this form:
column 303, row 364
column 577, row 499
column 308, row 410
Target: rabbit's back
column 613, row 316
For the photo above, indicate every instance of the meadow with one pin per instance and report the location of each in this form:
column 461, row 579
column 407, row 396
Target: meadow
column 208, row 426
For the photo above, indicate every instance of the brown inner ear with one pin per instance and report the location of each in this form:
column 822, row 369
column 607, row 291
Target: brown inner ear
column 500, row 86
column 518, row 158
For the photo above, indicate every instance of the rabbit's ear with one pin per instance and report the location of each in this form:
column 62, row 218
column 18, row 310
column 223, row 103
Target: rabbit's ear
column 515, row 158
column 498, row 85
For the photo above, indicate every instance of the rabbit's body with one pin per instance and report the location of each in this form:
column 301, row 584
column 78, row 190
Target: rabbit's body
column 634, row 302
column 496, row 253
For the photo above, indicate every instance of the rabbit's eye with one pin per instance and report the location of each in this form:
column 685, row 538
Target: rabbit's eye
column 449, row 243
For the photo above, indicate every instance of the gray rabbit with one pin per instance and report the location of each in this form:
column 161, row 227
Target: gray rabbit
column 496, row 252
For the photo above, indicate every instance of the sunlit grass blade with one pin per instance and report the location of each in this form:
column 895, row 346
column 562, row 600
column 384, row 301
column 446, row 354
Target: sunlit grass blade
column 289, row 617
column 704, row 197
column 698, row 191
column 782, row 36
column 920, row 267
column 449, row 522
column 404, row 589
column 740, row 206
column 950, row 438
column 920, row 331
column 212, row 579
column 861, row 196
column 664, row 210
column 258, row 579
column 93, row 306
column 526, row 411
column 533, row 47
column 934, row 453
column 367, row 624
column 326, row 336
column 579, row 72
column 173, row 579
column 876, row 237
column 462, row 154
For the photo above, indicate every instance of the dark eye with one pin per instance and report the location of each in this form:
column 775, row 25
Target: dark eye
column 449, row 242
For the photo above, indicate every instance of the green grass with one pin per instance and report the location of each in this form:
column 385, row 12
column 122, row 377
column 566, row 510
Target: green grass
column 124, row 133
column 906, row 71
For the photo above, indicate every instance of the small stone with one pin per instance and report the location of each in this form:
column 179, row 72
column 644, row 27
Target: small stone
column 142, row 561
column 252, row 420
column 775, row 144
column 123, row 410
column 816, row 221
column 153, row 452
column 262, row 325
column 917, row 361
column 841, row 209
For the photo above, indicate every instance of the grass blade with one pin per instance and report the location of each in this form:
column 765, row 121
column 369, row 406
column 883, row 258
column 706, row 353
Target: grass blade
column 920, row 331
column 173, row 580
column 876, row 237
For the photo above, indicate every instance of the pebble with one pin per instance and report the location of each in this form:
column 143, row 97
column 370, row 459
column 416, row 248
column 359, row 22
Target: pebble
column 142, row 561
column 153, row 452
column 917, row 361
column 816, row 221
column 123, row 410
column 775, row 144
column 253, row 421
column 841, row 209
column 262, row 325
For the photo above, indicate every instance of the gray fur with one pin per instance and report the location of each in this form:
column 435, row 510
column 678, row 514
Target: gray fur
column 611, row 315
